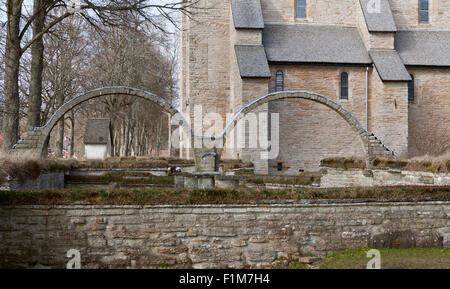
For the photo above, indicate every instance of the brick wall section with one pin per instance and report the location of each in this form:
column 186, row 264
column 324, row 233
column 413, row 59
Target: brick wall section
column 382, row 40
column 209, row 62
column 210, row 76
column 318, row 11
column 210, row 236
column 406, row 14
column 388, row 113
column 345, row 12
column 429, row 117
column 372, row 146
column 310, row 131
column 251, row 90
column 206, row 71
column 246, row 37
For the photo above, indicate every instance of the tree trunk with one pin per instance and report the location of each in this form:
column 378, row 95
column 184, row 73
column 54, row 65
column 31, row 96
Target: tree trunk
column 158, row 137
column 60, row 140
column 127, row 138
column 169, row 137
column 123, row 142
column 37, row 67
column 60, row 131
column 11, row 77
column 72, row 134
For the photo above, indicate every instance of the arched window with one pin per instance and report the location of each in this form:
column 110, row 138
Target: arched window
column 301, row 9
column 344, row 85
column 279, row 81
column 411, row 89
column 424, row 11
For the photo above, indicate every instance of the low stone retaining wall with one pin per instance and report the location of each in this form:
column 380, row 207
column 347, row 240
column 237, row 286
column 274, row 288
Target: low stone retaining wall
column 211, row 236
column 50, row 180
column 206, row 181
column 100, row 172
column 332, row 178
column 335, row 178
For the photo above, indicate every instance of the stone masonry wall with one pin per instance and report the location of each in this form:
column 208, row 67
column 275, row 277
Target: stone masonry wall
column 429, row 117
column 406, row 14
column 343, row 12
column 388, row 112
column 310, row 131
column 210, row 77
column 205, row 65
column 211, row 236
column 346, row 12
column 382, row 40
column 50, row 180
column 253, row 88
column 338, row 178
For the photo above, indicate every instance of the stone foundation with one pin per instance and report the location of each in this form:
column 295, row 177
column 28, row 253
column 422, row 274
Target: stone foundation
column 335, row 178
column 211, row 236
column 52, row 180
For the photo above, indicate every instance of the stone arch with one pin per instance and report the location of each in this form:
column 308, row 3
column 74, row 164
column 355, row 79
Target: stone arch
column 37, row 139
column 372, row 146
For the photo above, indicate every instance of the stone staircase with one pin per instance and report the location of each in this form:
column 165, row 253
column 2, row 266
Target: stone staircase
column 378, row 149
column 31, row 143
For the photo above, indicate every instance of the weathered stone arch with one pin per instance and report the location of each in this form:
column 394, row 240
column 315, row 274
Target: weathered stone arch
column 372, row 146
column 37, row 139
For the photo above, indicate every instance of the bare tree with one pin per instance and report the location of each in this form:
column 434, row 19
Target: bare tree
column 37, row 57
column 11, row 77
column 138, row 55
column 64, row 63
column 42, row 19
column 134, row 57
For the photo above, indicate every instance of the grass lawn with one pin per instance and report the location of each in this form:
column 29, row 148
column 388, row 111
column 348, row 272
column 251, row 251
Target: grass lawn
column 414, row 258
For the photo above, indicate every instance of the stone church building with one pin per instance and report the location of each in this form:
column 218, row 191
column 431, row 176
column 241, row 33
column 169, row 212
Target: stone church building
column 386, row 61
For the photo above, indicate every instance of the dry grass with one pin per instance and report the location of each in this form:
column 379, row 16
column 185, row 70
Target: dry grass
column 442, row 157
column 343, row 163
column 216, row 196
column 437, row 164
column 130, row 163
column 26, row 167
column 229, row 164
column 306, row 179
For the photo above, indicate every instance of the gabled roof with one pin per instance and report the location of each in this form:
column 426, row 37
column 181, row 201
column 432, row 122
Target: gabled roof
column 380, row 20
column 427, row 48
column 247, row 14
column 305, row 43
column 252, row 61
column 389, row 65
column 97, row 131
